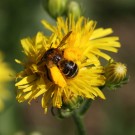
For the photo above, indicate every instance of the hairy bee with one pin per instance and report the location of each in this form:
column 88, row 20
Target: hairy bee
column 54, row 56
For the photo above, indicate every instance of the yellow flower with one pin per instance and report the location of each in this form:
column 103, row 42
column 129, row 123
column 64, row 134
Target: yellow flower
column 85, row 38
column 76, row 42
column 5, row 76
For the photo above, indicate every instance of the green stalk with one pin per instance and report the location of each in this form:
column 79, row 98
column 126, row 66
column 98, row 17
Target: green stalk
column 78, row 116
column 79, row 123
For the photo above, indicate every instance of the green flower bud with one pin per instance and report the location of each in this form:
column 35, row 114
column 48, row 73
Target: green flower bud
column 74, row 8
column 115, row 74
column 69, row 105
column 55, row 7
column 73, row 103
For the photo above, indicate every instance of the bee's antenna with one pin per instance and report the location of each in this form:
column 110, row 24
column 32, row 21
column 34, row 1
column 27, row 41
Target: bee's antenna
column 64, row 39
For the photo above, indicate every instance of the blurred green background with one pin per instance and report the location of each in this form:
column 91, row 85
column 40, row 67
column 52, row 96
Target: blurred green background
column 115, row 116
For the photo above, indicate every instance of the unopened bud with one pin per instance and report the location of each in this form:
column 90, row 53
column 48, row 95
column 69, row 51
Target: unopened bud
column 74, row 9
column 115, row 74
column 55, row 7
column 73, row 103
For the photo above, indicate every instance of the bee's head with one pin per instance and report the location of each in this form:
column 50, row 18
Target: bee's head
column 53, row 55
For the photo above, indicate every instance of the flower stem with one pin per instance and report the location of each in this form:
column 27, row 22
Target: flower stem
column 78, row 116
column 79, row 123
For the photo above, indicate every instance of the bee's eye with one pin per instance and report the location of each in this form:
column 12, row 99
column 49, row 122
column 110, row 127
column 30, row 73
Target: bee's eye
column 50, row 51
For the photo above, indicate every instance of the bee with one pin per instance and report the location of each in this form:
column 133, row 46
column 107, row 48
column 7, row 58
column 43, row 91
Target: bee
column 54, row 56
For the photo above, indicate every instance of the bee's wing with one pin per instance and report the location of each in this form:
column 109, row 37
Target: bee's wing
column 64, row 39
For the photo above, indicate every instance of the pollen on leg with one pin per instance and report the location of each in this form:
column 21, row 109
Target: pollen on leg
column 57, row 77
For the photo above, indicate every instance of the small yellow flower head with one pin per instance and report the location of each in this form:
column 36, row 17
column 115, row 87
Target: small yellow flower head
column 55, row 7
column 5, row 76
column 74, row 8
column 64, row 64
column 115, row 72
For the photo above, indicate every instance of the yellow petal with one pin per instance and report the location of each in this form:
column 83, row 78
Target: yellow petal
column 26, row 80
column 19, row 62
column 100, row 94
column 39, row 38
column 100, row 32
column 28, row 88
column 27, row 46
column 27, row 96
column 47, row 25
column 40, row 92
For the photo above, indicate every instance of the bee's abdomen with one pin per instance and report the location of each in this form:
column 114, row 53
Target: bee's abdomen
column 69, row 68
